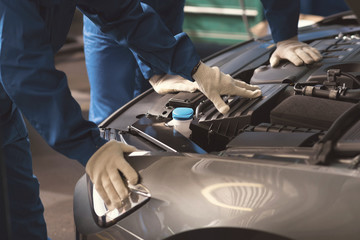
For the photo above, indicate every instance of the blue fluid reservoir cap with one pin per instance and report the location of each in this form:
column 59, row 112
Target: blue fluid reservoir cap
column 182, row 113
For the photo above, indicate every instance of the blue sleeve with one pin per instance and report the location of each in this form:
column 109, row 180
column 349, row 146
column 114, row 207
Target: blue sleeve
column 283, row 17
column 141, row 29
column 30, row 79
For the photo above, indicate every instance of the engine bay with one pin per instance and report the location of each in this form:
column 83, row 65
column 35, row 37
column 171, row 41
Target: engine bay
column 312, row 108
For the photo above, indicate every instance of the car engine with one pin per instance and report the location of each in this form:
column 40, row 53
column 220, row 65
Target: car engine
column 299, row 106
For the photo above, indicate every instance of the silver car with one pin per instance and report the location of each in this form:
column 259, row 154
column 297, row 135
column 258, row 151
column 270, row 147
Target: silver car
column 282, row 166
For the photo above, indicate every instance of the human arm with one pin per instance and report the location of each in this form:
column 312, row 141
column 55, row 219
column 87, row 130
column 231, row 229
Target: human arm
column 139, row 27
column 31, row 81
column 38, row 89
column 283, row 17
column 145, row 34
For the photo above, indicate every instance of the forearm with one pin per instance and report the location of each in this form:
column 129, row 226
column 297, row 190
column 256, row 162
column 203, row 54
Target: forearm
column 40, row 91
column 143, row 31
column 283, row 17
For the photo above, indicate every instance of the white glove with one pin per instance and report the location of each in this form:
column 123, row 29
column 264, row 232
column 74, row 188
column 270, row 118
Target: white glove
column 213, row 83
column 163, row 84
column 103, row 169
column 294, row 51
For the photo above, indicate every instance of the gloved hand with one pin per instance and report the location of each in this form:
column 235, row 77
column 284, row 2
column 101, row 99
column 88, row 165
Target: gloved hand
column 103, row 169
column 213, row 83
column 294, row 51
column 166, row 83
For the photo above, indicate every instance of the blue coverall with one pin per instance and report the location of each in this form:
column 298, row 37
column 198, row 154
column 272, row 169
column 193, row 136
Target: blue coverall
column 31, row 32
column 113, row 71
column 283, row 17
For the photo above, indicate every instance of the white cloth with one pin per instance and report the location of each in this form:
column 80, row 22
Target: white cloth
column 296, row 52
column 213, row 83
column 103, row 169
column 167, row 83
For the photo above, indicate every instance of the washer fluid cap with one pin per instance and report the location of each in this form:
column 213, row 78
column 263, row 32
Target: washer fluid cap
column 182, row 113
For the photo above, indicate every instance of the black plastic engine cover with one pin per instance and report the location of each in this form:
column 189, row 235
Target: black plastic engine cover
column 212, row 130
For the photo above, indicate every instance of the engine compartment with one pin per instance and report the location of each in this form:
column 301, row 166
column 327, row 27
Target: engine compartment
column 298, row 108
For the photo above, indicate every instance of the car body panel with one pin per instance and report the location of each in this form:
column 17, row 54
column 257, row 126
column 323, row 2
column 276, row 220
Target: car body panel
column 209, row 191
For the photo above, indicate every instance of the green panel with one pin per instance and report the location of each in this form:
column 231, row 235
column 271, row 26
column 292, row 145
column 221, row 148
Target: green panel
column 220, row 28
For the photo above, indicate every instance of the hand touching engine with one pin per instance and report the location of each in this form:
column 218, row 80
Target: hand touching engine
column 296, row 52
column 213, row 83
column 167, row 83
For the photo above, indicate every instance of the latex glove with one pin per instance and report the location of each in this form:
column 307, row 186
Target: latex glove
column 294, row 51
column 213, row 83
column 103, row 169
column 163, row 84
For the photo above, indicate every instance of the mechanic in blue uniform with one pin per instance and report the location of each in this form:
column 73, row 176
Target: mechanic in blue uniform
column 114, row 74
column 31, row 32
